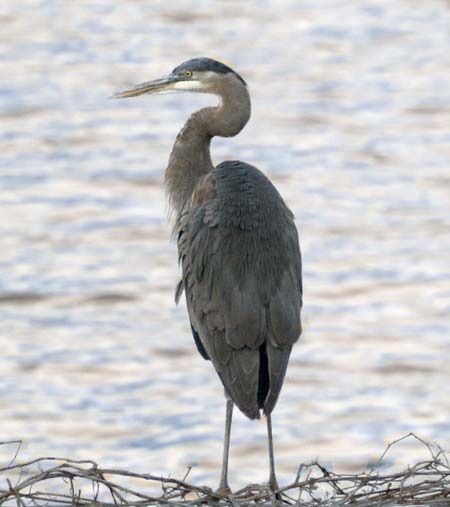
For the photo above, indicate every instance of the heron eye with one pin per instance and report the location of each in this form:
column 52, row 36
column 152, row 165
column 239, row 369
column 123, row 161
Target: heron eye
column 188, row 73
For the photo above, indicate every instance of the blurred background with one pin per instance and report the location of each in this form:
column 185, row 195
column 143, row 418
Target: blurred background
column 351, row 121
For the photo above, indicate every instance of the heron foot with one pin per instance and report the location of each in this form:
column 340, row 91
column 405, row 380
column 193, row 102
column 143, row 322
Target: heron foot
column 273, row 483
column 273, row 486
column 223, row 489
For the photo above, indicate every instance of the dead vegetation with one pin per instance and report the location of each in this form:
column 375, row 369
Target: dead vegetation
column 52, row 482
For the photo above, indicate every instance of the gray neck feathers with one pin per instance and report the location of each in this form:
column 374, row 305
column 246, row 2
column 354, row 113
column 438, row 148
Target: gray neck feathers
column 190, row 158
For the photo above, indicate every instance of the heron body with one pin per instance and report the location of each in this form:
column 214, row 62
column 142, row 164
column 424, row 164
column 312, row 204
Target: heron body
column 238, row 249
column 235, row 241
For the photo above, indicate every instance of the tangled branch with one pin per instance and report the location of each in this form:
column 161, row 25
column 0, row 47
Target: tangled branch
column 54, row 482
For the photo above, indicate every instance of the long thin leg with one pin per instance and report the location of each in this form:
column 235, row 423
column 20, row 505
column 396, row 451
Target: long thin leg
column 223, row 486
column 273, row 484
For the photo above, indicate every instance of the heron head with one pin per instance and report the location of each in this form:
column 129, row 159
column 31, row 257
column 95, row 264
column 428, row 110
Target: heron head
column 197, row 75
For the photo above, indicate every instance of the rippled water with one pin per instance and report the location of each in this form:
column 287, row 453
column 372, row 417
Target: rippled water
column 351, row 120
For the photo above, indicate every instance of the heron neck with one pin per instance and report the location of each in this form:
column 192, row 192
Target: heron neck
column 233, row 112
column 190, row 159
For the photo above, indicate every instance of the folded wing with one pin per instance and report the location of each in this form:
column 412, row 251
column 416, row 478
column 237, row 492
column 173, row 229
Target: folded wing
column 241, row 264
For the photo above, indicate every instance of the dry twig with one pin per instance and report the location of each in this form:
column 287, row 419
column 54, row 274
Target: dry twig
column 54, row 482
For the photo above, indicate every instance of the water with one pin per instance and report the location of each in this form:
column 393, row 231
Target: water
column 351, row 115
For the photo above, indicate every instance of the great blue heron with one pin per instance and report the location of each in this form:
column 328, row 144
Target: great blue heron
column 238, row 248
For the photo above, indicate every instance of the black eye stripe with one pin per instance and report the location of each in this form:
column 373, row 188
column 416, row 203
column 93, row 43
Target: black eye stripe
column 204, row 65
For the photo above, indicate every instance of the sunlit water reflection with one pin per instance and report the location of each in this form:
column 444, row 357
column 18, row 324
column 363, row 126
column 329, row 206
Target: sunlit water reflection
column 351, row 115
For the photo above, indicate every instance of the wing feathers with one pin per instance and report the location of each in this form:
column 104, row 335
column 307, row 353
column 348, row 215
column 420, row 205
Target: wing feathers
column 245, row 321
column 240, row 380
column 284, row 314
column 219, row 351
column 278, row 359
column 241, row 264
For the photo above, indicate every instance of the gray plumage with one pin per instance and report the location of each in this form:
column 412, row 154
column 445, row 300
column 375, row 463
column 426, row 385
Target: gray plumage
column 206, row 65
column 243, row 291
column 238, row 249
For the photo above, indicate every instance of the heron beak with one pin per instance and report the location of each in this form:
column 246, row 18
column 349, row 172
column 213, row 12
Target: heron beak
column 158, row 85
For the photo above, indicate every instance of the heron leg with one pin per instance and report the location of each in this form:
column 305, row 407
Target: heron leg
column 224, row 488
column 273, row 483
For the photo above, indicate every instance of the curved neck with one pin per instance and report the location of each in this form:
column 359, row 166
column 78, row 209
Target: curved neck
column 190, row 159
column 233, row 112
